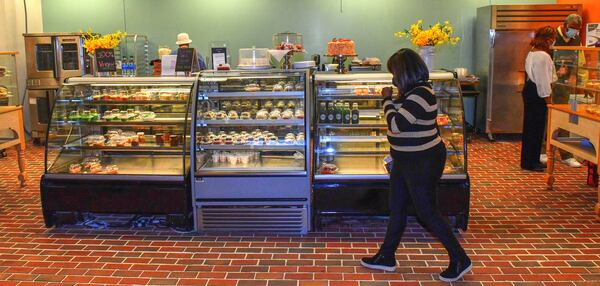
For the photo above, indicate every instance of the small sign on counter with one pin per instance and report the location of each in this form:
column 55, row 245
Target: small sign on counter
column 219, row 56
column 105, row 60
column 186, row 58
column 167, row 65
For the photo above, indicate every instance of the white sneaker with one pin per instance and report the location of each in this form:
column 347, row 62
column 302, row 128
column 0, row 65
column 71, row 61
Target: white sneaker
column 543, row 158
column 572, row 162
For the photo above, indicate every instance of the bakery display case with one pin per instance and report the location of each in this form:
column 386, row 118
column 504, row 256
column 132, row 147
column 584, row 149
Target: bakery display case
column 251, row 153
column 350, row 145
column 119, row 145
column 8, row 79
column 578, row 71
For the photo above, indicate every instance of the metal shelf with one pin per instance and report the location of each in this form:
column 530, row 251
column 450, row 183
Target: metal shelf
column 353, row 139
column 326, row 97
column 351, row 126
column 140, row 148
column 253, row 95
column 130, row 102
column 156, row 122
column 251, row 122
column 254, row 147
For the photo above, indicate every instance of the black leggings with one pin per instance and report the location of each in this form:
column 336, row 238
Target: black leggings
column 534, row 122
column 415, row 177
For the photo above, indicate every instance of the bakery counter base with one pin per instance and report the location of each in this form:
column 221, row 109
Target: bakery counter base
column 74, row 196
column 343, row 198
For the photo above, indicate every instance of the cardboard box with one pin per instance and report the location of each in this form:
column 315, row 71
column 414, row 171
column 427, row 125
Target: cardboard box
column 592, row 37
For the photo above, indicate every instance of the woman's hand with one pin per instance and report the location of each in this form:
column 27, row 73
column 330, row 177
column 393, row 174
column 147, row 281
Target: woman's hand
column 386, row 92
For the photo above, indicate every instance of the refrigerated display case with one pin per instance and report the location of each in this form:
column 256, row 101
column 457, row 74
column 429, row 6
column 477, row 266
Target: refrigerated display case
column 251, row 157
column 119, row 145
column 350, row 145
column 578, row 70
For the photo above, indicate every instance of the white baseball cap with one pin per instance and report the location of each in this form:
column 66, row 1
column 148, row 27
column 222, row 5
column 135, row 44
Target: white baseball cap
column 183, row 38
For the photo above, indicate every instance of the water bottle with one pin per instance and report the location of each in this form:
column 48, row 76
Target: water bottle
column 132, row 68
column 125, row 68
column 573, row 104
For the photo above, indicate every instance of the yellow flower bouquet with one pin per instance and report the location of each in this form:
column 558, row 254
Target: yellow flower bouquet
column 438, row 34
column 92, row 41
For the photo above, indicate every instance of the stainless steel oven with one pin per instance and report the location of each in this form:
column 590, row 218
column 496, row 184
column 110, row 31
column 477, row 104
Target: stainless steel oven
column 51, row 58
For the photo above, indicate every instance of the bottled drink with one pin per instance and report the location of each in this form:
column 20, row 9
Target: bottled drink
column 338, row 113
column 355, row 113
column 323, row 113
column 346, row 115
column 132, row 67
column 125, row 67
column 330, row 112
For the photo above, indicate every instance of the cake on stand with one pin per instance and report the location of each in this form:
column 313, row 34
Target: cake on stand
column 285, row 45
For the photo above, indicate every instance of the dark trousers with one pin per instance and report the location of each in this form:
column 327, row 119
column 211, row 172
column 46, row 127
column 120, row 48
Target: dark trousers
column 415, row 177
column 534, row 122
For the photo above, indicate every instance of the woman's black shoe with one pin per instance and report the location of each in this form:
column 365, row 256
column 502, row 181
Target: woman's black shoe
column 537, row 168
column 456, row 270
column 380, row 262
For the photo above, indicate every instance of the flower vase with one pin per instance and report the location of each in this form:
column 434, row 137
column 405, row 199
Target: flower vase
column 427, row 53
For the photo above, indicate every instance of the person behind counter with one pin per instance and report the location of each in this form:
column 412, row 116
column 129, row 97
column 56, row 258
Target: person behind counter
column 567, row 35
column 183, row 41
column 419, row 156
column 537, row 91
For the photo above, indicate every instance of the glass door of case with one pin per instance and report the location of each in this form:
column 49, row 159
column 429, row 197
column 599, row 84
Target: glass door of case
column 126, row 127
column 251, row 123
column 351, row 129
column 351, row 141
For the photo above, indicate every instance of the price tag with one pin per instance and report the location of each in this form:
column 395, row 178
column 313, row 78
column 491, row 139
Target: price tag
column 105, row 60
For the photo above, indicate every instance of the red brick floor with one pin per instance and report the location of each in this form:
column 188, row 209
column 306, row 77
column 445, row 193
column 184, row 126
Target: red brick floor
column 519, row 234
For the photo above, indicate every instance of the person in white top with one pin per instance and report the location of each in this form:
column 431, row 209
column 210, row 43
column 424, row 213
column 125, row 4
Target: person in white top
column 536, row 95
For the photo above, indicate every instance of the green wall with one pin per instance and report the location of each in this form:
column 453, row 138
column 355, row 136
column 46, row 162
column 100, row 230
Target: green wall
column 247, row 23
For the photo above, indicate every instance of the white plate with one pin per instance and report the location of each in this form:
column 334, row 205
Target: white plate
column 254, row 67
column 304, row 64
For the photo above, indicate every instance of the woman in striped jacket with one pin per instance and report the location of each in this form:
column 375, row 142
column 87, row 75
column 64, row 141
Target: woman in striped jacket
column 419, row 156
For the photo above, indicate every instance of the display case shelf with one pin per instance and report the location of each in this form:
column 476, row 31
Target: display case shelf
column 120, row 103
column 253, row 95
column 251, row 122
column 256, row 147
column 156, row 122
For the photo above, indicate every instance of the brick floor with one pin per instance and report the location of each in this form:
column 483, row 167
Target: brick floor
column 519, row 234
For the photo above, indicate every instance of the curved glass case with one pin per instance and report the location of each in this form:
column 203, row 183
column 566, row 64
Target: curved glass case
column 351, row 142
column 120, row 126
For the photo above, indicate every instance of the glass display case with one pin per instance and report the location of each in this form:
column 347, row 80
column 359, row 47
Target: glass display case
column 8, row 79
column 351, row 144
column 121, row 129
column 578, row 71
column 351, row 140
column 251, row 145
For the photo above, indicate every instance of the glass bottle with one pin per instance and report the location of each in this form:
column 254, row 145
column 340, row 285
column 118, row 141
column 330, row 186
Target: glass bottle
column 355, row 113
column 323, row 112
column 330, row 112
column 339, row 117
column 346, row 115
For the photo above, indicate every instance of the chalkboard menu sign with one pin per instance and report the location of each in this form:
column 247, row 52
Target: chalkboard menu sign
column 186, row 58
column 105, row 60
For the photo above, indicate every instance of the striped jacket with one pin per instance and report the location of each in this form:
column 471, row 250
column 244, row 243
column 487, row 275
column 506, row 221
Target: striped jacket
column 411, row 120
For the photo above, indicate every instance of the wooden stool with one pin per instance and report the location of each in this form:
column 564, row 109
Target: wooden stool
column 11, row 118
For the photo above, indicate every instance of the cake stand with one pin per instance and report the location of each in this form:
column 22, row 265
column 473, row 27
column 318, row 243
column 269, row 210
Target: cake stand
column 341, row 59
column 286, row 55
